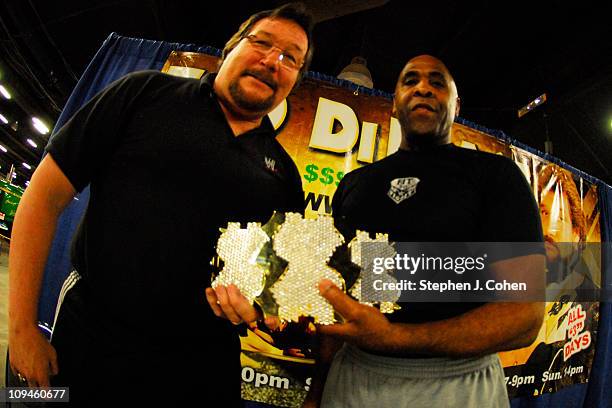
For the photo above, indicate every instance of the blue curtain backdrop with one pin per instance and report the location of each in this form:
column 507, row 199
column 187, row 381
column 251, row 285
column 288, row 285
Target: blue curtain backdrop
column 120, row 55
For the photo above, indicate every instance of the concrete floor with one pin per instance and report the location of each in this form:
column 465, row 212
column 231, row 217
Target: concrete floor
column 3, row 306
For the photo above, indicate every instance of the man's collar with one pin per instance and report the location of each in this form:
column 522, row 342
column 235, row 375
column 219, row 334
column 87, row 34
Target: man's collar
column 429, row 148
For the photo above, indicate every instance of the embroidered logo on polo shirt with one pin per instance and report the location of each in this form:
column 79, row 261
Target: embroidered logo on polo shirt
column 402, row 188
column 270, row 164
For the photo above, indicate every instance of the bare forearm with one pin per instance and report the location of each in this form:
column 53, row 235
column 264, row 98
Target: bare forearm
column 35, row 221
column 487, row 329
column 31, row 240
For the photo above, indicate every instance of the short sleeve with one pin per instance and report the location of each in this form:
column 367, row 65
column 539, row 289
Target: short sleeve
column 510, row 212
column 82, row 144
column 346, row 228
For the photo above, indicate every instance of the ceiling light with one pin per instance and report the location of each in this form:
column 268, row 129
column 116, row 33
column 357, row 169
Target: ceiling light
column 40, row 126
column 4, row 92
column 31, row 142
column 532, row 105
column 3, row 148
column 2, row 118
column 27, row 166
column 357, row 72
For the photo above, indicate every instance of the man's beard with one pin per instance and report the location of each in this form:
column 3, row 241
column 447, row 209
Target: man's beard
column 249, row 103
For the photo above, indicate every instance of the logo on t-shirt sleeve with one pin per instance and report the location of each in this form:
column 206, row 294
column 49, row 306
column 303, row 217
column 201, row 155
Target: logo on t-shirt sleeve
column 402, row 188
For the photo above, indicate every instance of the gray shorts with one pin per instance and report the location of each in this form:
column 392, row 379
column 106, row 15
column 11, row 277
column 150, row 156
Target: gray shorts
column 358, row 379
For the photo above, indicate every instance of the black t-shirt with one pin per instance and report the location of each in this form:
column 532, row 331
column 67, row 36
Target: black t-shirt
column 166, row 172
column 461, row 196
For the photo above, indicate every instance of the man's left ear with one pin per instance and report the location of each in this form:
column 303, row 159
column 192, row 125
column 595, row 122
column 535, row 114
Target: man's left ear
column 457, row 107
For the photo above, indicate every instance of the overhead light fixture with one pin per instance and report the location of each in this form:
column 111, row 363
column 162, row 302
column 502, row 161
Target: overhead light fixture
column 32, row 143
column 27, row 166
column 5, row 92
column 4, row 119
column 548, row 144
column 40, row 126
column 3, row 149
column 532, row 105
column 358, row 73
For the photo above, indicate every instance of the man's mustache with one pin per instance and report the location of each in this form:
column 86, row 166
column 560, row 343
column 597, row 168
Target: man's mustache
column 263, row 77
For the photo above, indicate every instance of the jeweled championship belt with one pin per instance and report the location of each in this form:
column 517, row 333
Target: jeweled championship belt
column 279, row 265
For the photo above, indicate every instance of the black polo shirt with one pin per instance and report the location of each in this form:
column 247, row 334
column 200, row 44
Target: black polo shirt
column 166, row 172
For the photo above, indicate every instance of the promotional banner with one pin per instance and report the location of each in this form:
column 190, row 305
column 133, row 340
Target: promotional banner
column 564, row 349
column 330, row 130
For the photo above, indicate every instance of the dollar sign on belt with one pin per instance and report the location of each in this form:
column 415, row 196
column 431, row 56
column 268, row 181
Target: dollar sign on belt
column 239, row 249
column 363, row 250
column 307, row 245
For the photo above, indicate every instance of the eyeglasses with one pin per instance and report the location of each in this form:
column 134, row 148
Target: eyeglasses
column 287, row 59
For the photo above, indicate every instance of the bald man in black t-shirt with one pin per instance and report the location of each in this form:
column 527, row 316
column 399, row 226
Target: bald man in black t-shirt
column 431, row 354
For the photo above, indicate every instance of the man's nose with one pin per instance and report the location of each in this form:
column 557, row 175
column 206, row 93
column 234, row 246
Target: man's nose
column 423, row 91
column 272, row 59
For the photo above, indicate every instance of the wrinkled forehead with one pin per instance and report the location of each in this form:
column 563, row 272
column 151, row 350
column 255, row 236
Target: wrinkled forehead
column 427, row 65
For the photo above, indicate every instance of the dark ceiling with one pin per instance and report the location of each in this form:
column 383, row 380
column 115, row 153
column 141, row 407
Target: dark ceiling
column 502, row 56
